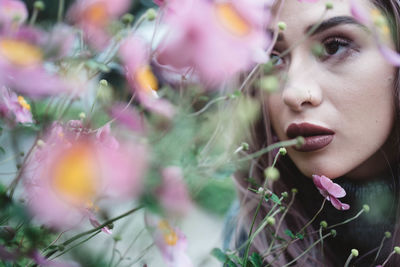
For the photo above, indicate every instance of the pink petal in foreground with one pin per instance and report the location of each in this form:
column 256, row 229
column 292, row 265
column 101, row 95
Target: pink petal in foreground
column 339, row 205
column 390, row 55
column 358, row 12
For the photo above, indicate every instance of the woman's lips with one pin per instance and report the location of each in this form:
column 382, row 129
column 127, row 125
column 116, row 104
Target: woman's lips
column 315, row 136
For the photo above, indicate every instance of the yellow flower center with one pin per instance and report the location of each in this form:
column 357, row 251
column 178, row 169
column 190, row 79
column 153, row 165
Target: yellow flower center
column 146, row 79
column 74, row 175
column 23, row 103
column 231, row 19
column 170, row 236
column 20, row 53
column 97, row 14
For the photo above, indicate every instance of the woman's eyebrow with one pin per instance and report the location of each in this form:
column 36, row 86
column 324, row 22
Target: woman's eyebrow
column 333, row 22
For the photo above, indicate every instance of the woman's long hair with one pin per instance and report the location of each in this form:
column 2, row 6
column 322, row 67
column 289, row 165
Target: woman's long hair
column 261, row 136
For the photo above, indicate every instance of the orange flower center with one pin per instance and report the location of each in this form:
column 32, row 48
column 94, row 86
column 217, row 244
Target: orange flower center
column 20, row 53
column 74, row 175
column 146, row 79
column 23, row 103
column 97, row 14
column 231, row 19
column 170, row 236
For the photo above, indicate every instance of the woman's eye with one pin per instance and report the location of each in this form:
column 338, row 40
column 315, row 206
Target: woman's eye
column 336, row 47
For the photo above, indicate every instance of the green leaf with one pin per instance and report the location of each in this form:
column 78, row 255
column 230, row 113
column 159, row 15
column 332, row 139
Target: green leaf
column 219, row 254
column 256, row 259
column 274, row 198
column 2, row 151
column 299, row 236
column 289, row 233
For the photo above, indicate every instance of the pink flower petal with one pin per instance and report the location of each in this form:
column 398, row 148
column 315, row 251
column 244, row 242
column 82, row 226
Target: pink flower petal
column 339, row 205
column 359, row 12
column 390, row 55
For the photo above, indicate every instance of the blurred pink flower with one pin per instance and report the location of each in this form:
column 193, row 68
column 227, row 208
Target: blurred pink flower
column 331, row 191
column 390, row 55
column 95, row 16
column 309, row 1
column 22, row 64
column 170, row 241
column 173, row 193
column 60, row 41
column 159, row 2
column 136, row 57
column 12, row 12
column 14, row 108
column 128, row 117
column 359, row 12
column 215, row 39
column 42, row 261
column 72, row 171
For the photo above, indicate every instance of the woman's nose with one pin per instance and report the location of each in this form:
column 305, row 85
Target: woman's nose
column 302, row 88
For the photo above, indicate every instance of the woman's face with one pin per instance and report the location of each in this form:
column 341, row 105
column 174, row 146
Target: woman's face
column 341, row 101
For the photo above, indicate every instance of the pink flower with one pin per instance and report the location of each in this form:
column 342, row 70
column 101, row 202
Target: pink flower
column 136, row 56
column 173, row 192
column 359, row 12
column 74, row 170
column 159, row 2
column 95, row 16
column 308, row 1
column 22, row 64
column 170, row 241
column 12, row 11
column 215, row 39
column 389, row 54
column 14, row 108
column 331, row 191
column 128, row 117
column 42, row 261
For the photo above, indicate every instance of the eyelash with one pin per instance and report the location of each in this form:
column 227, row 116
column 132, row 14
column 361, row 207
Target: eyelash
column 344, row 44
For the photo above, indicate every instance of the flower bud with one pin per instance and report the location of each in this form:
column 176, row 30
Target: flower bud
column 39, row 5
column 260, row 190
column 354, row 252
column 271, row 173
column 333, row 232
column 282, row 25
column 284, row 194
column 329, row 5
column 366, row 208
column 388, row 234
column 271, row 220
column 127, row 18
column 151, row 14
column 82, row 115
column 245, row 146
column 40, row 143
column 295, row 191
column 282, row 151
column 323, row 224
column 397, row 250
column 269, row 83
column 103, row 82
column 117, row 238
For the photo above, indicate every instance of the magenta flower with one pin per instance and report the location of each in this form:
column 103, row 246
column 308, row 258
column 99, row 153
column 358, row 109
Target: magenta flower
column 308, row 1
column 94, row 18
column 75, row 169
column 12, row 12
column 14, row 108
column 135, row 55
column 128, row 117
column 215, row 39
column 173, row 193
column 331, row 191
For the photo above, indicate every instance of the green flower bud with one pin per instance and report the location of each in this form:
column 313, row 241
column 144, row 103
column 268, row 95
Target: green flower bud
column 282, row 208
column 329, row 5
column 22, row 153
column 323, row 224
column 295, row 191
column 354, row 252
column 39, row 5
column 282, row 25
column 40, row 143
column 127, row 18
column 271, row 220
column 282, row 151
column 151, row 14
column 269, row 83
column 284, row 194
column 366, row 208
column 397, row 250
column 333, row 232
column 260, row 190
column 388, row 234
column 82, row 115
column 61, row 247
column 117, row 238
column 245, row 146
column 103, row 82
column 271, row 173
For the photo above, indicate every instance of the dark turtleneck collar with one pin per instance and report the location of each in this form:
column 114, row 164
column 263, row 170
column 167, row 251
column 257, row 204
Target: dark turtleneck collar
column 364, row 233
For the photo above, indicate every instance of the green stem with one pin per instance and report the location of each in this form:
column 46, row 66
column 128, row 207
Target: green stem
column 388, row 258
column 313, row 218
column 348, row 220
column 379, row 251
column 307, row 250
column 34, row 17
column 60, row 10
column 348, row 260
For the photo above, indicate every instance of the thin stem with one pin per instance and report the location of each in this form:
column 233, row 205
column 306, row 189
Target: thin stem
column 129, row 247
column 208, row 105
column 60, row 10
column 322, row 241
column 315, row 216
column 113, row 253
column 269, row 148
column 348, row 260
column 379, row 250
column 34, row 17
column 388, row 258
column 307, row 250
column 348, row 220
